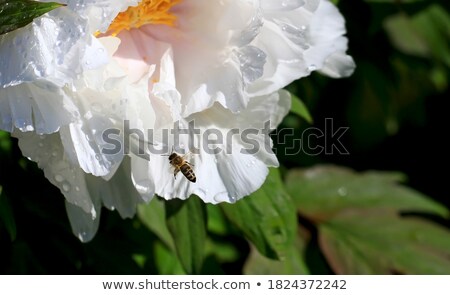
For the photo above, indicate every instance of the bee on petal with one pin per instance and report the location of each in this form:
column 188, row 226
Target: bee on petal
column 180, row 164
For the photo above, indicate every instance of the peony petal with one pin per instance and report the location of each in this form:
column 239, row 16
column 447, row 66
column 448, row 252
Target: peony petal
column 307, row 37
column 48, row 152
column 118, row 192
column 221, row 177
column 83, row 225
column 326, row 34
column 39, row 107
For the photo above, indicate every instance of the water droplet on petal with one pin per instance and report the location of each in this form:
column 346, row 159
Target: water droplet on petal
column 292, row 4
column 342, row 191
column 143, row 186
column 88, row 115
column 59, row 178
column 66, row 187
column 312, row 67
column 96, row 107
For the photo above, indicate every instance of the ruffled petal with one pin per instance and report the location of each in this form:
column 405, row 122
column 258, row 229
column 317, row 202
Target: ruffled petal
column 117, row 193
column 48, row 152
column 298, row 38
column 225, row 176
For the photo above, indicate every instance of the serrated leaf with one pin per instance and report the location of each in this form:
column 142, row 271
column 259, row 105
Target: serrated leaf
column 186, row 220
column 381, row 242
column 153, row 216
column 6, row 215
column 15, row 14
column 267, row 217
column 300, row 109
column 324, row 191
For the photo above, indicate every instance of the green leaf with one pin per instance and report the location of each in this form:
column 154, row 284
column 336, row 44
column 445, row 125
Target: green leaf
column 394, row 1
column 15, row 14
column 5, row 142
column 166, row 262
column 324, row 191
column 267, row 217
column 293, row 263
column 425, row 34
column 6, row 215
column 300, row 109
column 153, row 216
column 186, row 220
column 217, row 223
column 380, row 242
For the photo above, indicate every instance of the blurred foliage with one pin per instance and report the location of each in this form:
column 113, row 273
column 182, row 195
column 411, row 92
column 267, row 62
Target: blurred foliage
column 310, row 217
column 15, row 14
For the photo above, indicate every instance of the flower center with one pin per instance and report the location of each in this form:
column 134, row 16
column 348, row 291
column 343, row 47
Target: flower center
column 146, row 12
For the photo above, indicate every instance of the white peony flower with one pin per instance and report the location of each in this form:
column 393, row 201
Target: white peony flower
column 83, row 70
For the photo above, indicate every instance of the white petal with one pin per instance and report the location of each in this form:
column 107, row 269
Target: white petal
column 338, row 65
column 209, row 45
column 228, row 175
column 38, row 107
column 328, row 44
column 241, row 174
column 118, row 192
column 49, row 154
column 83, row 225
column 300, row 37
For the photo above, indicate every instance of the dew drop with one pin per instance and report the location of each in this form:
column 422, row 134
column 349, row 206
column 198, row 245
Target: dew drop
column 217, row 198
column 66, row 187
column 312, row 67
column 96, row 107
column 292, row 4
column 82, row 236
column 233, row 199
column 93, row 213
column 342, row 191
column 88, row 115
column 59, row 178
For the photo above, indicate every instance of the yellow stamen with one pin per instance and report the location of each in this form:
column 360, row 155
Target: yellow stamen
column 146, row 12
